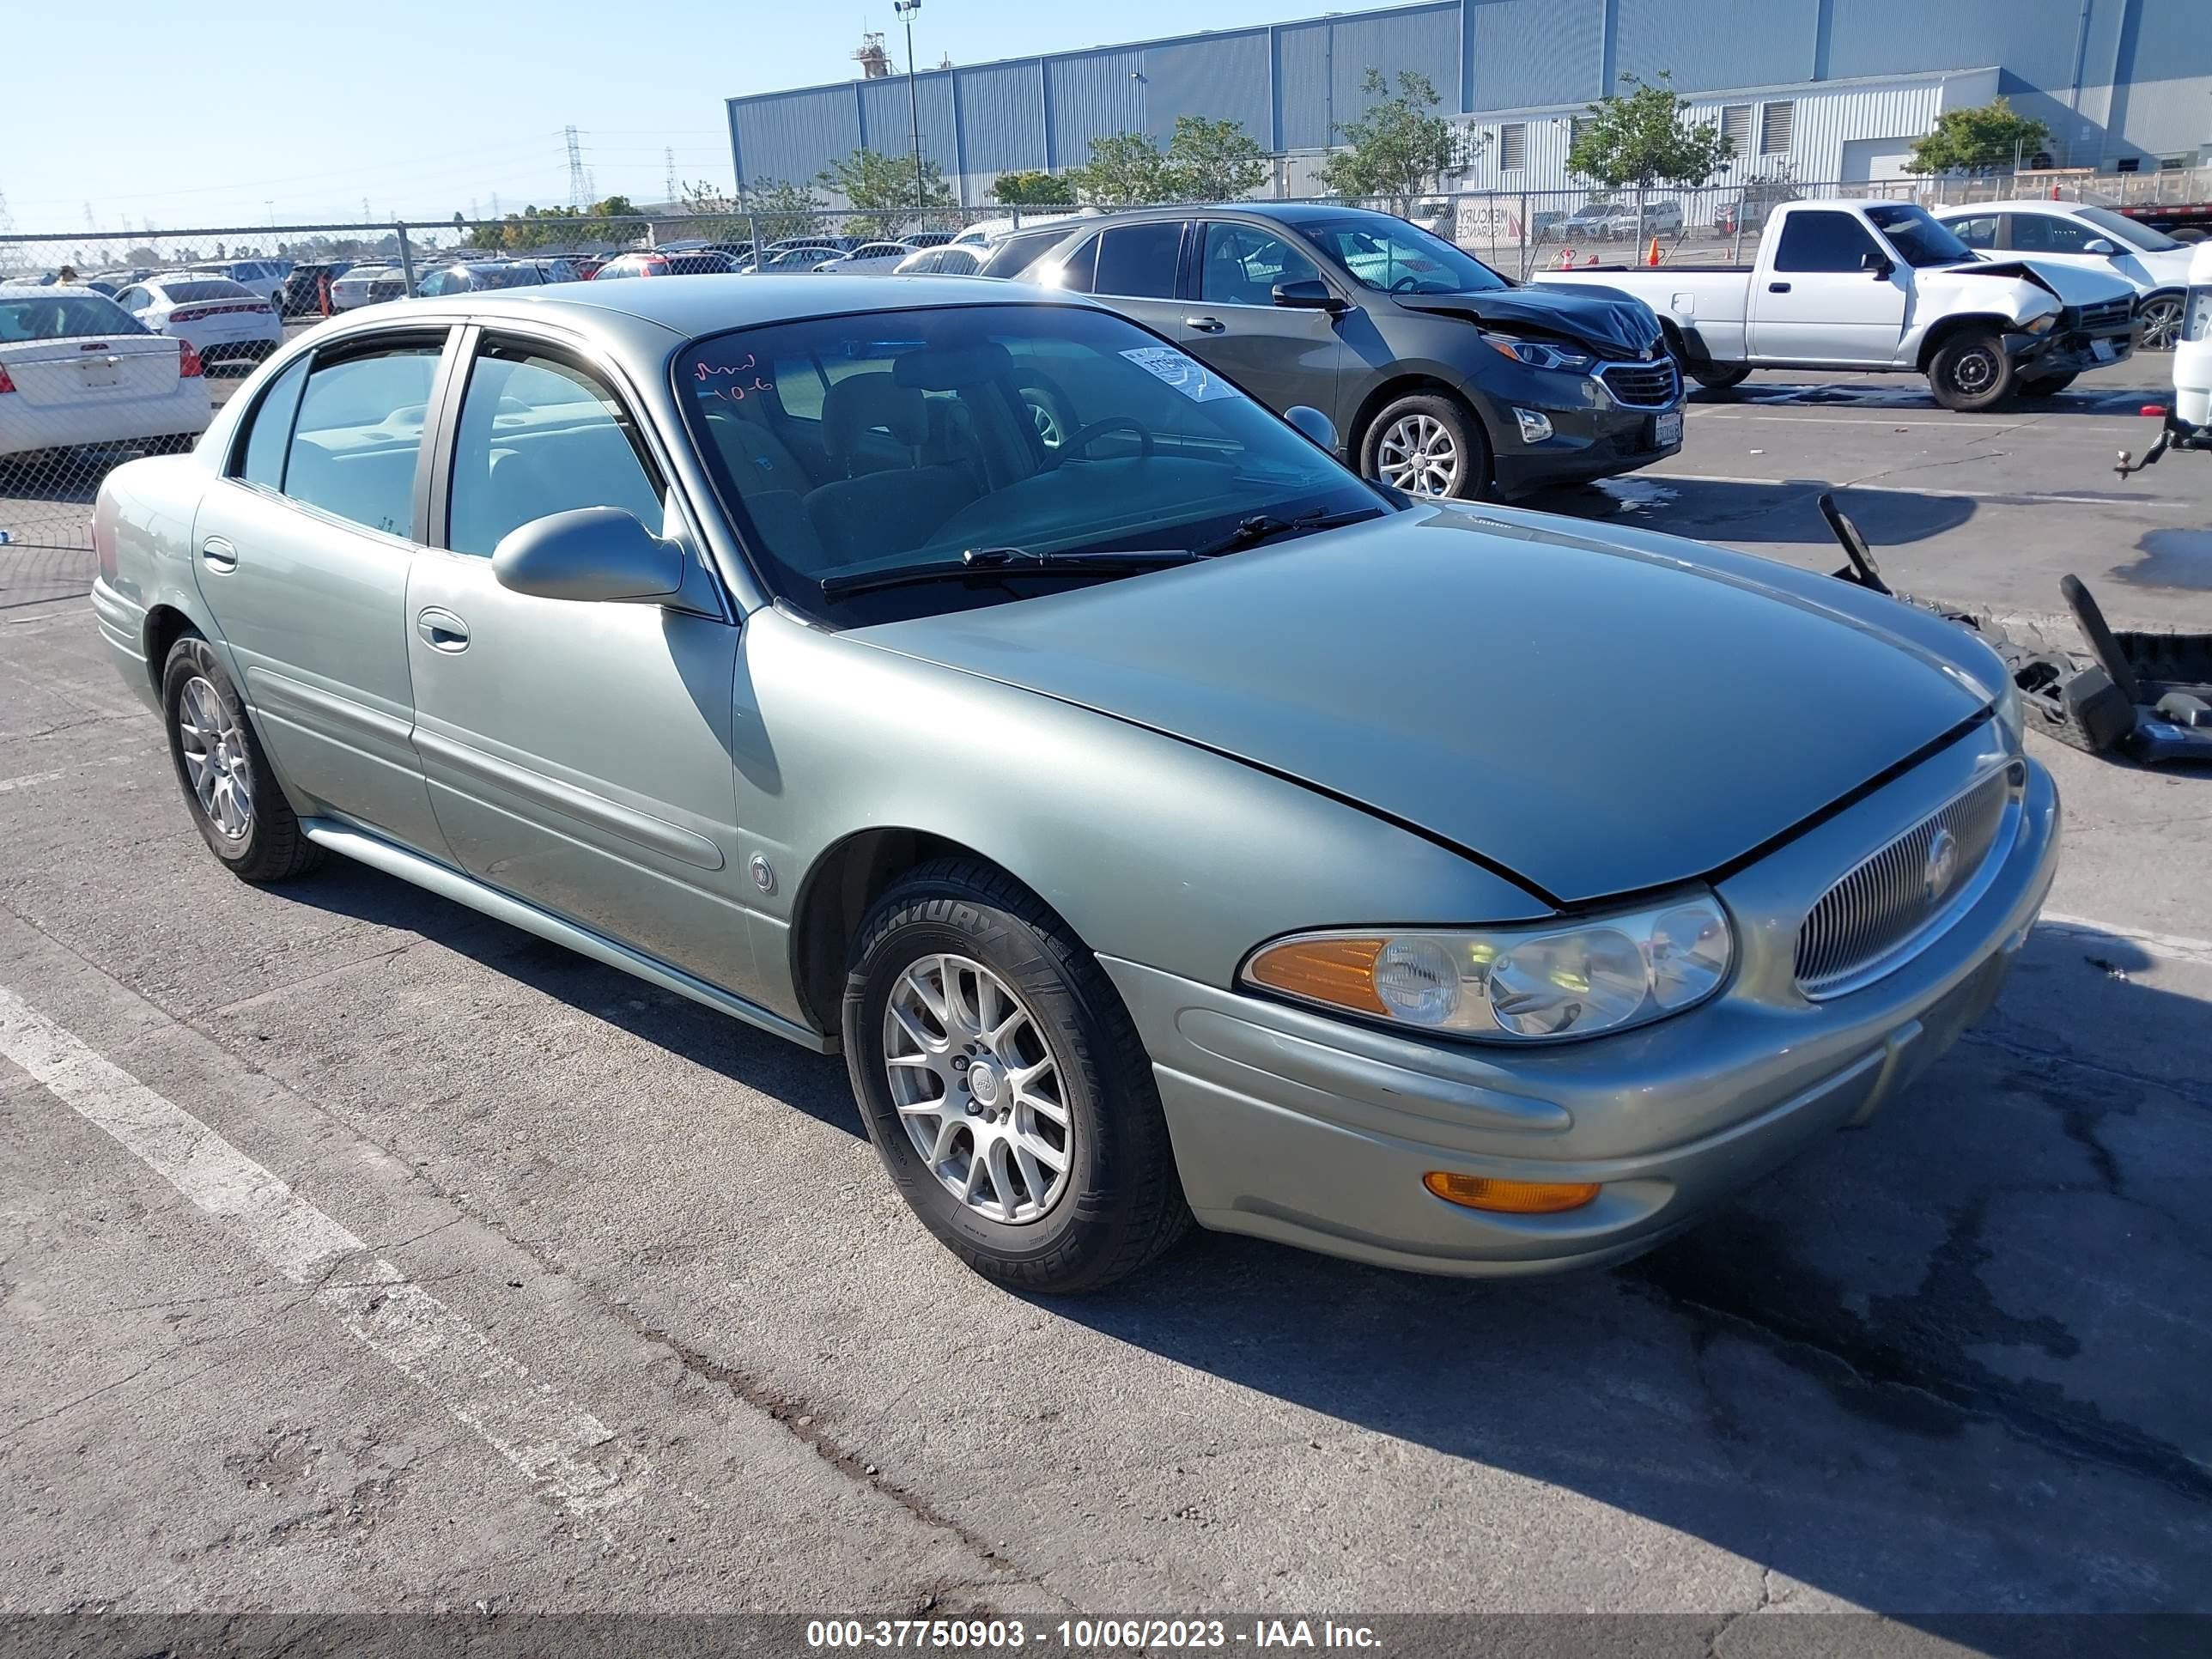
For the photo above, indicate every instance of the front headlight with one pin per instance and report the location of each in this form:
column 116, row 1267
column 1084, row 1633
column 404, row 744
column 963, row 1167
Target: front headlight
column 1514, row 984
column 1539, row 353
column 2044, row 324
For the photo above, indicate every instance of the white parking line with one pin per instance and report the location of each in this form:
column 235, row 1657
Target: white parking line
column 547, row 1440
column 2175, row 947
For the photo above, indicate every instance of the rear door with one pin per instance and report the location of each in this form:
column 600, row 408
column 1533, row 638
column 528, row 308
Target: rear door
column 301, row 552
column 1814, row 300
column 2055, row 240
column 1135, row 268
column 578, row 753
column 1279, row 354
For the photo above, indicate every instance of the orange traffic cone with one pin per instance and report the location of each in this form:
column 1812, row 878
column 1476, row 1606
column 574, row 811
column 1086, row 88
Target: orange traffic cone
column 1654, row 259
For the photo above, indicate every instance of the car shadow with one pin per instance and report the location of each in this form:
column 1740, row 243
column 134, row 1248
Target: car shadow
column 1908, row 392
column 1974, row 1295
column 1784, row 511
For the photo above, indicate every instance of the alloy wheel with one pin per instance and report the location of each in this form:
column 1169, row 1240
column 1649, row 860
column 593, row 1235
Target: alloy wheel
column 2161, row 324
column 977, row 1089
column 215, row 759
column 1417, row 455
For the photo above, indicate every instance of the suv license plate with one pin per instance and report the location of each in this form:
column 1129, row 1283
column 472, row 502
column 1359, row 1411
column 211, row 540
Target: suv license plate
column 1666, row 429
column 2103, row 351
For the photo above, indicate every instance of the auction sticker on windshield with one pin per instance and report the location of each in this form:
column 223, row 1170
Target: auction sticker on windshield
column 1186, row 374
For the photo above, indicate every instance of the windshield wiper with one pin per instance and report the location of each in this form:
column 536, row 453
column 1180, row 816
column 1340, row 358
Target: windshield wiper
column 1265, row 527
column 999, row 562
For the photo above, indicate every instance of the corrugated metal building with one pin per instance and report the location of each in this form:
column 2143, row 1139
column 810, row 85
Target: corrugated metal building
column 1835, row 88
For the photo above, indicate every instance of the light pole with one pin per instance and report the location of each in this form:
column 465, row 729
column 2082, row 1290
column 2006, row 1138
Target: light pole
column 906, row 9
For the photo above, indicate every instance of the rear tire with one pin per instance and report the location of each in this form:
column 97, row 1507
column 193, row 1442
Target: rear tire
column 1032, row 1004
column 230, row 789
column 1428, row 444
column 1719, row 377
column 1970, row 372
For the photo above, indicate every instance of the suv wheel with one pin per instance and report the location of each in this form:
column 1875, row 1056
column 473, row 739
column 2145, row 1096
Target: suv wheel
column 1428, row 444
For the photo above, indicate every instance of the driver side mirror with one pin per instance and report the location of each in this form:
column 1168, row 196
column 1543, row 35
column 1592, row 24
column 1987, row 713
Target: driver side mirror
column 589, row 553
column 1880, row 264
column 2102, row 248
column 1307, row 294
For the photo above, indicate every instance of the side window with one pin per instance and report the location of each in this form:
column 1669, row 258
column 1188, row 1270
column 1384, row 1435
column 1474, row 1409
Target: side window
column 359, row 431
column 262, row 460
column 1821, row 240
column 133, row 299
column 1980, row 231
column 800, row 387
column 1078, row 271
column 539, row 436
column 2046, row 232
column 1139, row 261
column 1243, row 265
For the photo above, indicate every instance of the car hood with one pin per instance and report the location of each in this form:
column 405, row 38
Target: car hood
column 1594, row 716
column 2072, row 285
column 1617, row 323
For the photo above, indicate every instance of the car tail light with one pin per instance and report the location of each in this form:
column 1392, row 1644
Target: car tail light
column 191, row 314
column 6, row 384
column 188, row 361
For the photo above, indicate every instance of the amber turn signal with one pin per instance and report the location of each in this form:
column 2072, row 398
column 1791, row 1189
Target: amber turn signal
column 1325, row 968
column 1509, row 1197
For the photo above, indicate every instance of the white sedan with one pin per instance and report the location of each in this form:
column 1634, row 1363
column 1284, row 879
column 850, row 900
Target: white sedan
column 2091, row 239
column 223, row 321
column 76, row 369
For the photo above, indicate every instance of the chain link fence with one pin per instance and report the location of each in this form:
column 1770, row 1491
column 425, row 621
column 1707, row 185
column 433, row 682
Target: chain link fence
column 116, row 345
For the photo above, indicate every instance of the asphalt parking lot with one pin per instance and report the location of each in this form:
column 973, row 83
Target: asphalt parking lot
column 611, row 1309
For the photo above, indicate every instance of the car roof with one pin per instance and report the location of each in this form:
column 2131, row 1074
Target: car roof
column 693, row 306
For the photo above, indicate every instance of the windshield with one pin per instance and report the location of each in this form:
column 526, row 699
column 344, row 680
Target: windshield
column 64, row 319
column 870, row 443
column 2126, row 231
column 1918, row 236
column 1392, row 257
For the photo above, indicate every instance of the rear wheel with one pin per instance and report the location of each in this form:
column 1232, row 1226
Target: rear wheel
column 1970, row 371
column 232, row 792
column 1719, row 377
column 1004, row 1086
column 1428, row 444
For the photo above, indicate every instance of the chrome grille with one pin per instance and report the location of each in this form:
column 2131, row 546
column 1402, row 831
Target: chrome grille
column 1641, row 385
column 1870, row 918
column 2105, row 317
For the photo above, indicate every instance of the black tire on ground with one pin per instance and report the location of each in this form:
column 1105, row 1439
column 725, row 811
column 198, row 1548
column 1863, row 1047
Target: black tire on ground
column 1472, row 482
column 1121, row 1205
column 1970, row 371
column 2049, row 385
column 272, row 847
column 1719, row 377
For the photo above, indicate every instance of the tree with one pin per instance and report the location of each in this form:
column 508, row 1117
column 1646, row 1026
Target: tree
column 1213, row 161
column 1643, row 139
column 885, row 189
column 141, row 255
column 782, row 208
column 1398, row 148
column 1125, row 169
column 1979, row 140
column 1033, row 190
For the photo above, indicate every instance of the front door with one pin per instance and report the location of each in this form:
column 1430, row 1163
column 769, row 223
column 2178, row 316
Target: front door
column 1281, row 355
column 301, row 552
column 1819, row 303
column 578, row 752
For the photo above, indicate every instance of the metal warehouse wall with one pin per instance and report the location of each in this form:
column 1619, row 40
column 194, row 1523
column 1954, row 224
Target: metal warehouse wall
column 2113, row 78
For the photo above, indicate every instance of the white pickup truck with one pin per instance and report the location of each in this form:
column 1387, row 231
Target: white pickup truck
column 1871, row 286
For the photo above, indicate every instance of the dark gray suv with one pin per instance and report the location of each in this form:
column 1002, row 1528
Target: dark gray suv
column 1442, row 377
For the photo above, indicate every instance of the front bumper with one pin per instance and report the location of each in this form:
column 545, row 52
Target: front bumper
column 1593, row 435
column 2068, row 351
column 1311, row 1131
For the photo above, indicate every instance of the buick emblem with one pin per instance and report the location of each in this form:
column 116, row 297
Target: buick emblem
column 1942, row 864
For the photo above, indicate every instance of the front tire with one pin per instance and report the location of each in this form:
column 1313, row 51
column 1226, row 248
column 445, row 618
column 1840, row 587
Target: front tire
column 1004, row 1086
column 229, row 787
column 1428, row 444
column 1970, row 372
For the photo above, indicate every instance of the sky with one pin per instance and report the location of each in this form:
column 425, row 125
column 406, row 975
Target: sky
column 259, row 111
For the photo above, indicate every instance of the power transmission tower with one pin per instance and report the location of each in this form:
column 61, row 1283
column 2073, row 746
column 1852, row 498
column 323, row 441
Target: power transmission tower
column 579, row 183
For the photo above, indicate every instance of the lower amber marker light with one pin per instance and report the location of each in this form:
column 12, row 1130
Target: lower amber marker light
column 1509, row 1197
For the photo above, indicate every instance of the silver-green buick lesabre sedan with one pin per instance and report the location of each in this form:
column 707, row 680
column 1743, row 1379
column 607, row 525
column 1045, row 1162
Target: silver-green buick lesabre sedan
column 1165, row 823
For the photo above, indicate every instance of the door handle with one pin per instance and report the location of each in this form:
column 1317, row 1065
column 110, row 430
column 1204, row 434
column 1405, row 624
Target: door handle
column 218, row 555
column 441, row 629
column 1204, row 325
column 1778, row 288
